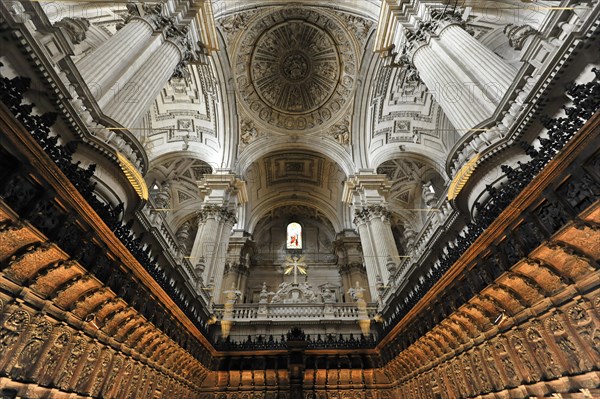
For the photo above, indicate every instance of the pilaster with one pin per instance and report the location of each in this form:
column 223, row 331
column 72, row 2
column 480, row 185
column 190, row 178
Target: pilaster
column 351, row 266
column 222, row 194
column 368, row 193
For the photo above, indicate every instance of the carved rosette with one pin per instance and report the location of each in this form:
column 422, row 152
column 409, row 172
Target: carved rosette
column 296, row 69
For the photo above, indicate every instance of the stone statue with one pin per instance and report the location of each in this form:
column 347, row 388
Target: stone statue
column 232, row 295
column 357, row 293
column 248, row 132
column 163, row 197
column 264, row 294
column 182, row 235
column 328, row 295
column 429, row 195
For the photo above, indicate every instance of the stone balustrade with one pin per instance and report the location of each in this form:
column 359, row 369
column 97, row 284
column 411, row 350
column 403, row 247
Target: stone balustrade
column 433, row 230
column 254, row 312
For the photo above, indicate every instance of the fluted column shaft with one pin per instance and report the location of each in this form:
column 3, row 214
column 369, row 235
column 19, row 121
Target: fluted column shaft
column 135, row 97
column 377, row 231
column 466, row 78
column 386, row 246
column 490, row 70
column 204, row 244
column 102, row 67
column 220, row 256
column 461, row 99
column 370, row 259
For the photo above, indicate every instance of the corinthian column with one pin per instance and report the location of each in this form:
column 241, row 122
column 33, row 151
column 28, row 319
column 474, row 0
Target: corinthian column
column 133, row 97
column 222, row 193
column 127, row 72
column 370, row 257
column 490, row 71
column 463, row 102
column 466, row 78
column 367, row 193
column 101, row 68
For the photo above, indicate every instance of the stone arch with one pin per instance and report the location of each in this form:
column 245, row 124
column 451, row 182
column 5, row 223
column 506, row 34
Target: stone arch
column 320, row 206
column 327, row 148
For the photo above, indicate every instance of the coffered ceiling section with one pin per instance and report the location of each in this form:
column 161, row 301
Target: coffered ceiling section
column 295, row 67
column 294, row 168
column 294, row 178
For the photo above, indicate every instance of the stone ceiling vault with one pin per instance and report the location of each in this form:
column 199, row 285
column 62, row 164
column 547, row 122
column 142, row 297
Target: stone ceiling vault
column 295, row 68
column 294, row 178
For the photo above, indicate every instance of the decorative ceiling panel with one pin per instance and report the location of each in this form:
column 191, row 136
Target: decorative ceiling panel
column 295, row 67
column 294, row 168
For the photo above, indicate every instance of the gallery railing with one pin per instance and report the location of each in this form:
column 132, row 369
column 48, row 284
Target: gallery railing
column 251, row 312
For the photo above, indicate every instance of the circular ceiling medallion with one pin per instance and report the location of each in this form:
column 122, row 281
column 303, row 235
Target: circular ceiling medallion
column 295, row 69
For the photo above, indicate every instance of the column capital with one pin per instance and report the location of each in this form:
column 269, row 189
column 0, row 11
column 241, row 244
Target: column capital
column 76, row 28
column 350, row 267
column 366, row 189
column 149, row 13
column 223, row 189
column 370, row 212
column 518, row 34
column 220, row 213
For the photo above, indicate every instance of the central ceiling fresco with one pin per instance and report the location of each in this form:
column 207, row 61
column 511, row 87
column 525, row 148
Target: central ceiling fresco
column 296, row 69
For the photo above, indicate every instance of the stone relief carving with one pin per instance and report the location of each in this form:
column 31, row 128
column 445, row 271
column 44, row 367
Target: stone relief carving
column 248, row 131
column 491, row 365
column 565, row 343
column 63, row 380
column 38, row 349
column 233, row 24
column 53, row 357
column 341, row 132
column 294, row 293
column 75, row 28
column 102, row 372
column 12, row 329
column 111, row 378
column 30, row 352
column 480, row 372
column 545, row 358
column 517, row 35
column 358, row 25
column 525, row 359
column 90, row 365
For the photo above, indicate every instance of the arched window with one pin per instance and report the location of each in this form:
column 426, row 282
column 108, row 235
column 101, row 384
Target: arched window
column 294, row 236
